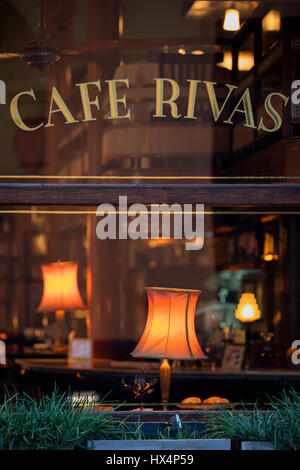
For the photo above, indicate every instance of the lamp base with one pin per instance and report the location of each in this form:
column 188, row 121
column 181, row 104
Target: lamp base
column 247, row 359
column 59, row 337
column 165, row 382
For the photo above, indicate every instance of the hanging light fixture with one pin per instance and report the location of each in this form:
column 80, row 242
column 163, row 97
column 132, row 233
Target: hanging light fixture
column 232, row 20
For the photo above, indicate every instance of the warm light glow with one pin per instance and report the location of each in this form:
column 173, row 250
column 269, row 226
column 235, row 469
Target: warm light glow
column 227, row 61
column 39, row 244
column 155, row 242
column 170, row 327
column 197, row 52
column 269, row 248
column 271, row 21
column 231, row 20
column 270, row 257
column 60, row 287
column 245, row 61
column 181, row 51
column 164, row 364
column 226, row 330
column 196, row 10
column 247, row 309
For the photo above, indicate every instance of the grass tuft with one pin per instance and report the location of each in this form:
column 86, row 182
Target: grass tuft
column 56, row 422
column 280, row 425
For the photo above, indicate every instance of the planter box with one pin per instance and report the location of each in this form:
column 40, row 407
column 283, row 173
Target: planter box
column 257, row 445
column 152, row 422
column 150, row 430
column 162, row 444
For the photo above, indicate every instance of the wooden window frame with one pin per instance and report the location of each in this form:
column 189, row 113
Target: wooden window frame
column 254, row 195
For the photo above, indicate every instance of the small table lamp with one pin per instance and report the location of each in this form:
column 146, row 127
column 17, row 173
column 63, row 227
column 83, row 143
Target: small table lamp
column 60, row 293
column 170, row 331
column 247, row 312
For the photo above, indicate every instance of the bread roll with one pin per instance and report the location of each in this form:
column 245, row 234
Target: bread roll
column 190, row 402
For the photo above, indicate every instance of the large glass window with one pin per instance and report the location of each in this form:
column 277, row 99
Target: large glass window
column 173, row 102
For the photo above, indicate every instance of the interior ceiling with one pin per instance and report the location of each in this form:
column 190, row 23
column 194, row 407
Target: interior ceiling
column 216, row 9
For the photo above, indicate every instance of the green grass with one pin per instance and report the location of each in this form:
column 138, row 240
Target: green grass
column 56, row 422
column 281, row 425
column 287, row 420
column 242, row 426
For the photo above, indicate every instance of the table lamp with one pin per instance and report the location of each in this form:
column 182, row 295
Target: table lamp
column 247, row 312
column 170, row 331
column 60, row 293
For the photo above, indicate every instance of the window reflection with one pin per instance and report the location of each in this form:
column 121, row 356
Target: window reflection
column 235, row 259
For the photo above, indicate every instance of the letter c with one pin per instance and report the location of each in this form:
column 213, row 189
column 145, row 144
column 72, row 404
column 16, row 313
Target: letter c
column 15, row 111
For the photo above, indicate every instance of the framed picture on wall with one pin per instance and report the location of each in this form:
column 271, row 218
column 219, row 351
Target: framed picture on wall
column 233, row 357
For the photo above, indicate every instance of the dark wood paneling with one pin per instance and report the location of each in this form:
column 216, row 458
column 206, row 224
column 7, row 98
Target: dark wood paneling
column 269, row 195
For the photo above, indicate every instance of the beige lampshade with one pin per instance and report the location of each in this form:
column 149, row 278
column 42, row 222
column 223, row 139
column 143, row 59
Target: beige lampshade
column 231, row 20
column 170, row 326
column 60, row 287
column 247, row 309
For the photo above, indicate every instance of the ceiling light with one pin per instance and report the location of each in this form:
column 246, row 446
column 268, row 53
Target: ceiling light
column 231, row 20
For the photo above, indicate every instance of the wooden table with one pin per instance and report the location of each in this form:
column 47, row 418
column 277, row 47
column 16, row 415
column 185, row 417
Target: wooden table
column 111, row 367
column 105, row 376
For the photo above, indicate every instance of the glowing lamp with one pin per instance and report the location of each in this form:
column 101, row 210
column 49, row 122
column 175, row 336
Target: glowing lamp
column 269, row 248
column 231, row 20
column 272, row 21
column 60, row 292
column 247, row 310
column 170, row 331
